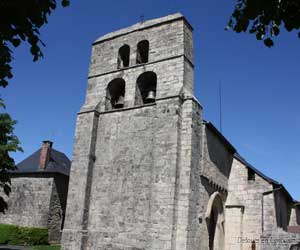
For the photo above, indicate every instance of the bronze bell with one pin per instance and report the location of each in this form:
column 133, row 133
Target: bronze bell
column 150, row 97
column 120, row 103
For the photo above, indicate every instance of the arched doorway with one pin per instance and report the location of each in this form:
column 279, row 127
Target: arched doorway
column 215, row 220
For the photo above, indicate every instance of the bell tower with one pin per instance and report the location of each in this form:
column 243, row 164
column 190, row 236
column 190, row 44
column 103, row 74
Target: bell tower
column 137, row 142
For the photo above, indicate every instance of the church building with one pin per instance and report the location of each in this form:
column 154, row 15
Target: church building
column 148, row 173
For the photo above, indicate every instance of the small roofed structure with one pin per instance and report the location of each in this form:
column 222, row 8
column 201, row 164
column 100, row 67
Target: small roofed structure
column 39, row 191
column 46, row 160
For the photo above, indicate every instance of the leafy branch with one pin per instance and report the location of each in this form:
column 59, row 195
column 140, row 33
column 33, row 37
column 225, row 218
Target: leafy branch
column 20, row 21
column 265, row 18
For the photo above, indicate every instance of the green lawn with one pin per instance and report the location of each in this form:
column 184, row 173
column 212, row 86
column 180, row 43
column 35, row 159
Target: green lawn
column 46, row 247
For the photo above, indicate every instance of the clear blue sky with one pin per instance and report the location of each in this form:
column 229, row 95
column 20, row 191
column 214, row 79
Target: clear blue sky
column 261, row 87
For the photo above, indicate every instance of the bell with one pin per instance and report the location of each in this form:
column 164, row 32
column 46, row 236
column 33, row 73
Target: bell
column 120, row 103
column 150, row 97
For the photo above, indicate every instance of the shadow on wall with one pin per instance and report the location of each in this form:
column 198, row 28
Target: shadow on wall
column 209, row 186
column 215, row 219
column 283, row 210
column 298, row 214
column 3, row 205
column 219, row 153
column 295, row 247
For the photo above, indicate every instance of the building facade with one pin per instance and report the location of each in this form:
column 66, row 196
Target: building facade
column 148, row 172
column 39, row 192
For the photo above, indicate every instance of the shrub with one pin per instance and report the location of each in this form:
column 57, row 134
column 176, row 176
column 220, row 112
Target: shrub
column 49, row 247
column 14, row 235
column 7, row 233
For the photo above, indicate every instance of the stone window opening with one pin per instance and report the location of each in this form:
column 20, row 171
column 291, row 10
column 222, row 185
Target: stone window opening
column 142, row 55
column 115, row 94
column 123, row 56
column 146, row 88
column 251, row 175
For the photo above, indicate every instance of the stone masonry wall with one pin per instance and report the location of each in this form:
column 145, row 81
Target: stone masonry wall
column 194, row 234
column 57, row 207
column 166, row 40
column 215, row 167
column 245, row 200
column 37, row 200
column 125, row 162
column 169, row 83
column 217, row 159
column 170, row 58
column 277, row 239
column 295, row 216
column 29, row 201
column 140, row 189
column 134, row 178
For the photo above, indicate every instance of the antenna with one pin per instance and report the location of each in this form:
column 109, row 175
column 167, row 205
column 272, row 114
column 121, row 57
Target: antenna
column 220, row 105
column 52, row 133
column 142, row 18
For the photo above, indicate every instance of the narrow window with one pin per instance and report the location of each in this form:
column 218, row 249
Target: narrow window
column 251, row 175
column 146, row 88
column 115, row 94
column 123, row 56
column 142, row 52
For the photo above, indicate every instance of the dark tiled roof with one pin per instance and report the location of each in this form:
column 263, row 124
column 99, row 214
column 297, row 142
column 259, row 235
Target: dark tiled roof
column 58, row 163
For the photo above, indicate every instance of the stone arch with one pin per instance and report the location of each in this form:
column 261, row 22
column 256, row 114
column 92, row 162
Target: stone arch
column 142, row 53
column 146, row 88
column 115, row 93
column 123, row 56
column 295, row 247
column 215, row 219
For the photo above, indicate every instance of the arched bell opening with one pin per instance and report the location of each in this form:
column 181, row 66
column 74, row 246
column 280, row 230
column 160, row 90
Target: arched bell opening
column 215, row 219
column 123, row 56
column 142, row 53
column 115, row 94
column 146, row 88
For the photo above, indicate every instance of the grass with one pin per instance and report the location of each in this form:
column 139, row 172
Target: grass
column 46, row 247
column 28, row 236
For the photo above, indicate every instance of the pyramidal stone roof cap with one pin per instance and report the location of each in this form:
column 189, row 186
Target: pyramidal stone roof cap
column 142, row 25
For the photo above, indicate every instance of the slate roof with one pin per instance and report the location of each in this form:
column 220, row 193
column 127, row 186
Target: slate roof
column 58, row 163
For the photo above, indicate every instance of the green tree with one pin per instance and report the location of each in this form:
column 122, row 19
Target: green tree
column 8, row 143
column 20, row 21
column 265, row 18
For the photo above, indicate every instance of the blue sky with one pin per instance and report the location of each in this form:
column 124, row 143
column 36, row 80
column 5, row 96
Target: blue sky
column 260, row 86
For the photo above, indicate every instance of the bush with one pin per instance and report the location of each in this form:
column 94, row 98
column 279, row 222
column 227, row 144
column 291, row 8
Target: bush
column 49, row 247
column 14, row 235
column 7, row 233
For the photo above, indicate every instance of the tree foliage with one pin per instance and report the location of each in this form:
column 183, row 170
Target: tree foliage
column 21, row 20
column 8, row 143
column 265, row 18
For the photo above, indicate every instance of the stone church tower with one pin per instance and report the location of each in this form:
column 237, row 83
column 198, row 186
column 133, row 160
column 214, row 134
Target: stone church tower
column 148, row 173
column 135, row 180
